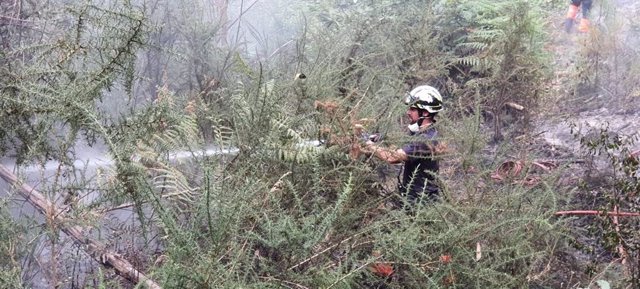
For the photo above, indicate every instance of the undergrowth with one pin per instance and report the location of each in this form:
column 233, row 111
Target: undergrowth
column 11, row 250
column 287, row 205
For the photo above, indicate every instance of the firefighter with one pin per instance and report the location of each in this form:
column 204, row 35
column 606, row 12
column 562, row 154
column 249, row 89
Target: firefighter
column 572, row 13
column 417, row 182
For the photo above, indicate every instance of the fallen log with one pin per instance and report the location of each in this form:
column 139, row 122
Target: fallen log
column 94, row 248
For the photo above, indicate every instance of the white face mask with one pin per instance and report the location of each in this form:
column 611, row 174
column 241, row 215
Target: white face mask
column 414, row 127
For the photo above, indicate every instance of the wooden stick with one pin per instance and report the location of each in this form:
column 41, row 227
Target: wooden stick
column 283, row 282
column 515, row 106
column 94, row 248
column 319, row 253
column 593, row 212
column 621, row 251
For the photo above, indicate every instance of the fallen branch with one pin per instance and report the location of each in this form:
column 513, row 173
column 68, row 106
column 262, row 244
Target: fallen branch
column 120, row 207
column 514, row 106
column 596, row 213
column 319, row 253
column 284, row 282
column 94, row 248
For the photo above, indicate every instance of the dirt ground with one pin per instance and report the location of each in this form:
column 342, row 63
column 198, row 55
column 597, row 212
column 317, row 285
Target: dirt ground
column 612, row 99
column 587, row 104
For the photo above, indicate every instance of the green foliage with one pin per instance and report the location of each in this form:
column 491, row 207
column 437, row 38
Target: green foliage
column 502, row 54
column 59, row 83
column 11, row 251
column 278, row 213
column 618, row 192
column 275, row 233
column 282, row 215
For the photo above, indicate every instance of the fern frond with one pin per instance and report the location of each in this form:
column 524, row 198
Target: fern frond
column 472, row 61
column 293, row 145
column 474, row 46
column 487, row 35
column 174, row 185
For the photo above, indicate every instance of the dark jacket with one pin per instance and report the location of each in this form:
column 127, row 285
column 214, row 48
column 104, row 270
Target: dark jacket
column 420, row 169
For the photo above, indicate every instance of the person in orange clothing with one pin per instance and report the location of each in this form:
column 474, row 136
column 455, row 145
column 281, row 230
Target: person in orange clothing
column 574, row 8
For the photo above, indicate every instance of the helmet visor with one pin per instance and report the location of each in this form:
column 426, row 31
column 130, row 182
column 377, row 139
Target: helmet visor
column 409, row 99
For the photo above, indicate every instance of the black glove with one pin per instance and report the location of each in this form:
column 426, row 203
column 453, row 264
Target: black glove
column 374, row 137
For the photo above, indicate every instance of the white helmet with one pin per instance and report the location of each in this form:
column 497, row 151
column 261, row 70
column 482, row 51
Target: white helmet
column 424, row 97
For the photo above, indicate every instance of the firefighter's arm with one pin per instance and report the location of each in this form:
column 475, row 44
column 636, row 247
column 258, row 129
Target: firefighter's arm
column 392, row 156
